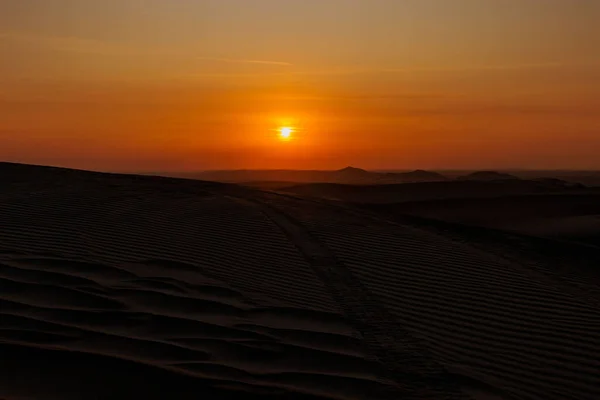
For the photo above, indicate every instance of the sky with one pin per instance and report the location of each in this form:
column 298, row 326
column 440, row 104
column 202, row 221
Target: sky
column 149, row 85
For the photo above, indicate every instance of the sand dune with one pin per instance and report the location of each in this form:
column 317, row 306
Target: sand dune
column 116, row 286
column 546, row 207
column 569, row 215
column 429, row 191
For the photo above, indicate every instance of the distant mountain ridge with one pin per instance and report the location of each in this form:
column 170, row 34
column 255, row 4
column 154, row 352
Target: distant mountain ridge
column 347, row 175
column 487, row 176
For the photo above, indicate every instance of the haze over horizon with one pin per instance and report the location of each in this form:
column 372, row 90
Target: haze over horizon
column 378, row 84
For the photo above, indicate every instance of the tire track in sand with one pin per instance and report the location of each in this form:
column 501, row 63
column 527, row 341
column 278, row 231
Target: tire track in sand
column 404, row 360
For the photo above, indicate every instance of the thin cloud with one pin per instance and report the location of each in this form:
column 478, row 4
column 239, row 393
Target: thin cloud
column 243, row 61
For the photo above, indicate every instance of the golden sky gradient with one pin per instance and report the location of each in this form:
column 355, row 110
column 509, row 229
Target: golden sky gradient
column 206, row 84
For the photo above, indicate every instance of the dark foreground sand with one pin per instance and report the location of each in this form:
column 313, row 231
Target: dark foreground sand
column 152, row 288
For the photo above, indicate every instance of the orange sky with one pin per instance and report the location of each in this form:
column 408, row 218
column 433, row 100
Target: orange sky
column 183, row 85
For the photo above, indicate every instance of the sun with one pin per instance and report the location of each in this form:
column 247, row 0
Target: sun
column 285, row 132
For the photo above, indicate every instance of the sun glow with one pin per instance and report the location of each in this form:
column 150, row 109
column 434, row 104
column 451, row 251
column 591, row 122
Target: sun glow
column 285, row 132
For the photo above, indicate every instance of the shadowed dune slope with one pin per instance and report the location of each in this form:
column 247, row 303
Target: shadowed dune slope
column 430, row 191
column 545, row 207
column 571, row 216
column 117, row 286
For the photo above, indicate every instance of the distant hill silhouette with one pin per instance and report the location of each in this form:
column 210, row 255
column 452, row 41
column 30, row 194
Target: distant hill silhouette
column 487, row 176
column 347, row 175
column 358, row 176
column 420, row 175
column 354, row 171
column 353, row 175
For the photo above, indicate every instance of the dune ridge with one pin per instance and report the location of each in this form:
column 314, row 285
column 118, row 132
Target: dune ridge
column 113, row 286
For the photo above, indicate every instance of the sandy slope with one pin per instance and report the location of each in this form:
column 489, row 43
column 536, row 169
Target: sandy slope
column 117, row 287
column 574, row 217
column 442, row 192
